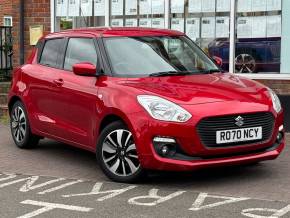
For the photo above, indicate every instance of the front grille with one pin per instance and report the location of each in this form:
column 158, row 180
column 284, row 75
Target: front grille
column 207, row 127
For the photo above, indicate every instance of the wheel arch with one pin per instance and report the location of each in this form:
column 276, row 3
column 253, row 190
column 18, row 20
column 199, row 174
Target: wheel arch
column 12, row 101
column 108, row 119
column 114, row 115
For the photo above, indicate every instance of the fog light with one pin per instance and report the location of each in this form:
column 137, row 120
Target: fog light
column 164, row 150
column 164, row 146
column 279, row 137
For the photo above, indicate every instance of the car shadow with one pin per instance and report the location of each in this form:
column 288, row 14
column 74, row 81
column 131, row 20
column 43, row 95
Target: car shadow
column 199, row 178
column 210, row 176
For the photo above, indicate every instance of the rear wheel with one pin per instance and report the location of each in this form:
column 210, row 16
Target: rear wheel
column 117, row 154
column 20, row 127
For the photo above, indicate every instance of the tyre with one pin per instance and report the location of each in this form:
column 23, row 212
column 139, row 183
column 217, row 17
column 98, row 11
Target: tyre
column 117, row 154
column 245, row 63
column 20, row 127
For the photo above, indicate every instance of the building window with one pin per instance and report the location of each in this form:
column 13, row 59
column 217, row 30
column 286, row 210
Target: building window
column 7, row 21
column 206, row 22
column 72, row 14
column 132, row 13
column 262, row 27
column 258, row 36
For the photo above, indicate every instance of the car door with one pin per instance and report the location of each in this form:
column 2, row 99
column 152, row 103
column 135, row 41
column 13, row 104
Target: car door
column 46, row 107
column 79, row 93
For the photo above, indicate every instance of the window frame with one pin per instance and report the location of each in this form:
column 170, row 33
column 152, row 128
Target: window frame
column 8, row 17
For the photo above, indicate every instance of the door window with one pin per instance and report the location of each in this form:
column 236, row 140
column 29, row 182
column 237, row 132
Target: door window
column 80, row 50
column 50, row 52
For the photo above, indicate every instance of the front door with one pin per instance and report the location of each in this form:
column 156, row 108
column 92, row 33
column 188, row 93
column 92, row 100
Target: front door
column 79, row 93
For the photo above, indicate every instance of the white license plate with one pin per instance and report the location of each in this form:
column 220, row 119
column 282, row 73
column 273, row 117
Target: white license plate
column 238, row 135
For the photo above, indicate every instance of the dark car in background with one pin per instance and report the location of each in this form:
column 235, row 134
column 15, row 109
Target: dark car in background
column 252, row 55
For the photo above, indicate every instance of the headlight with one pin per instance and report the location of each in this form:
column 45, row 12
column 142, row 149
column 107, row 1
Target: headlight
column 161, row 109
column 275, row 100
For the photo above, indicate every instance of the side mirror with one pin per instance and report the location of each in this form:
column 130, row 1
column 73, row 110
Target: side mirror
column 84, row 69
column 218, row 60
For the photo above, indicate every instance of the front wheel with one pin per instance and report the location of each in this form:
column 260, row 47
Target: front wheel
column 20, row 127
column 117, row 154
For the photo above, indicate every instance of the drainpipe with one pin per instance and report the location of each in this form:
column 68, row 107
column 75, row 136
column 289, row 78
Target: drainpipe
column 21, row 32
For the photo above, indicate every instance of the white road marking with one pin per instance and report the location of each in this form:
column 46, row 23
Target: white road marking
column 283, row 211
column 154, row 198
column 96, row 191
column 13, row 182
column 8, row 176
column 153, row 195
column 29, row 184
column 50, row 206
column 248, row 212
column 198, row 204
column 59, row 187
column 275, row 213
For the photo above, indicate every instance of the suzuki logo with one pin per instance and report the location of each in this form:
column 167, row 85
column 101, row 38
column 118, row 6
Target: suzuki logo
column 239, row 121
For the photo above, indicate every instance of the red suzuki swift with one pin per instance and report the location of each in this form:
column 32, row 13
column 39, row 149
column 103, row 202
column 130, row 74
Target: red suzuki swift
column 142, row 99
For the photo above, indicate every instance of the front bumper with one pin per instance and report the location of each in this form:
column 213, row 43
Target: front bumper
column 145, row 128
column 156, row 162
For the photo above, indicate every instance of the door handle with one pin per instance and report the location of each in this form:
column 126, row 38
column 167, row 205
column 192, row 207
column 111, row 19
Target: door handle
column 58, row 82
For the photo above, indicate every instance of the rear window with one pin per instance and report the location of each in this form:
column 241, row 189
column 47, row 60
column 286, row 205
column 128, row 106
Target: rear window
column 50, row 52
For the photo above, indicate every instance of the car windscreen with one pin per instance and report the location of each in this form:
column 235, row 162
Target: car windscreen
column 146, row 56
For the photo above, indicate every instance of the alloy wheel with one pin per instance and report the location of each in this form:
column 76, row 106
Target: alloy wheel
column 18, row 124
column 245, row 63
column 119, row 153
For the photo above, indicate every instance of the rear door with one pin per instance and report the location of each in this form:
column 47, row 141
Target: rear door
column 46, row 105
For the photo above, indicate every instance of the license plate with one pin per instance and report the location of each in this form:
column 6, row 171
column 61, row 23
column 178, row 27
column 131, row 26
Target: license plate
column 238, row 135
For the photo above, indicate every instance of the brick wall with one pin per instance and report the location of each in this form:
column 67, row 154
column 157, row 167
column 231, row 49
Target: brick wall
column 5, row 10
column 281, row 87
column 15, row 32
column 36, row 12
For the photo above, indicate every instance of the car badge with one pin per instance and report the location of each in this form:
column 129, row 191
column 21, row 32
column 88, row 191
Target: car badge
column 239, row 121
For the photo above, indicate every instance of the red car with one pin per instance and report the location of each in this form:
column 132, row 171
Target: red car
column 142, row 99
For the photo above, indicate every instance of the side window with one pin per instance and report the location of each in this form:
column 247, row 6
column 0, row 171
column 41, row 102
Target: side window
column 50, row 52
column 80, row 50
column 39, row 49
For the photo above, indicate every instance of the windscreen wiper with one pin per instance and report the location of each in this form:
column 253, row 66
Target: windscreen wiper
column 170, row 73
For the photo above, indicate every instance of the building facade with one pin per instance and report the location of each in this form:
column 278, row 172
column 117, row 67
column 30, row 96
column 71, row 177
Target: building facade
column 21, row 17
column 252, row 37
column 5, row 13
